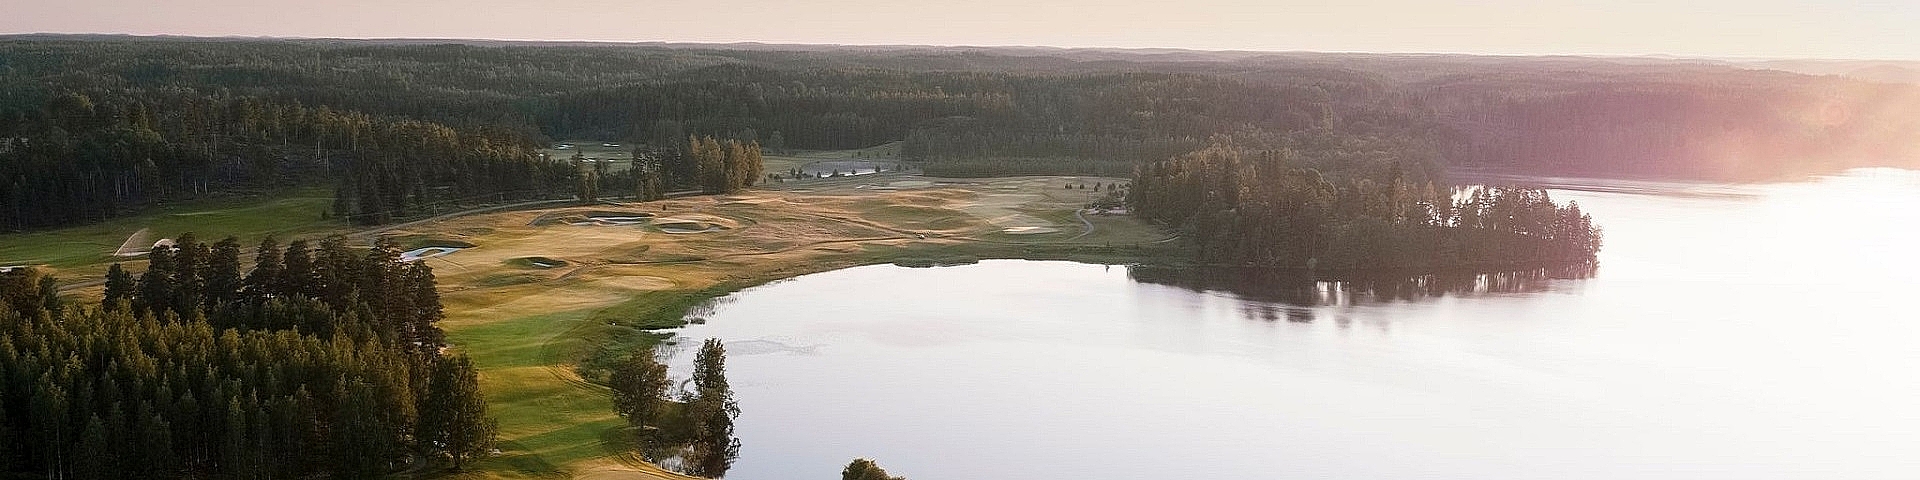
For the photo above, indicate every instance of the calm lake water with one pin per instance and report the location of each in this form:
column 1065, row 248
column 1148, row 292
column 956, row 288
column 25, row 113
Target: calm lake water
column 1749, row 332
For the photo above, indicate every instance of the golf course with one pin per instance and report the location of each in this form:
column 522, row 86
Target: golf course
column 542, row 297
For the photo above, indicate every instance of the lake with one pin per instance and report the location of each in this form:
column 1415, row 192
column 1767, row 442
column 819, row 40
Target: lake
column 1731, row 332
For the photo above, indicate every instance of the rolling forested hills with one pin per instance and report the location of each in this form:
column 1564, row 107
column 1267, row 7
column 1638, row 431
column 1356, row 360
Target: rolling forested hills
column 98, row 125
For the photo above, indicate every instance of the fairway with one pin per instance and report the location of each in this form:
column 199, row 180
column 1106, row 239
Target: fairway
column 82, row 253
column 537, row 329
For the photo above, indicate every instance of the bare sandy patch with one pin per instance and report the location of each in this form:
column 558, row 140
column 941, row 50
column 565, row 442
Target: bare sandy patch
column 1029, row 230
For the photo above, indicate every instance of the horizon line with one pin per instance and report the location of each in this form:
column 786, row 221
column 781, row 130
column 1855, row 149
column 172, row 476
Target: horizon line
column 763, row 43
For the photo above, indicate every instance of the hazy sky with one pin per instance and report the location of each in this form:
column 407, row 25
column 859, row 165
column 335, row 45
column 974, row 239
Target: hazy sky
column 1750, row 28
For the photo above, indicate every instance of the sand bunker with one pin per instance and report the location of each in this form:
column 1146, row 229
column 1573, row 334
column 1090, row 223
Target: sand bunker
column 612, row 221
column 537, row 262
column 687, row 227
column 693, row 223
column 428, row 252
column 1029, row 230
column 603, row 219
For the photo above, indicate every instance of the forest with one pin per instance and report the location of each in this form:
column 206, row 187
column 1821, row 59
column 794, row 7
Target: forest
column 98, row 126
column 1263, row 205
column 319, row 359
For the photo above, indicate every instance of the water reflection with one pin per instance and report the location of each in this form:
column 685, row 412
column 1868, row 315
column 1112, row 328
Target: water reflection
column 1304, row 288
column 1691, row 356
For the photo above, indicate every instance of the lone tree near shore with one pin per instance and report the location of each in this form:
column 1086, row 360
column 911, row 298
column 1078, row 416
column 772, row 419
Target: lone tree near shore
column 712, row 410
column 639, row 391
column 864, row 469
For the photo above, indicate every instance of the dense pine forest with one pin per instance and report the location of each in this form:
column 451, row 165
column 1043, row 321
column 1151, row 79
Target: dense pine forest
column 95, row 127
column 319, row 359
column 1349, row 205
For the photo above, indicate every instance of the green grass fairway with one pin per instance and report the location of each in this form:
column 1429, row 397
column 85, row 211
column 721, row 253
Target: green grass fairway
column 620, row 158
column 84, row 251
column 541, row 336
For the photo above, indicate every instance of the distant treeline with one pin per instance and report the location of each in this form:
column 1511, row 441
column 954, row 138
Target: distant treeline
column 82, row 158
column 449, row 123
column 316, row 361
column 1371, row 210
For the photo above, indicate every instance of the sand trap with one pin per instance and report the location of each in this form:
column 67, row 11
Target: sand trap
column 1029, row 230
column 692, row 223
column 537, row 262
column 614, row 221
column 425, row 253
column 592, row 218
column 687, row 227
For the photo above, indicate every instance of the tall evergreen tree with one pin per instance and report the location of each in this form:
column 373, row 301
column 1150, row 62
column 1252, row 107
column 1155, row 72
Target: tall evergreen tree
column 7, row 448
column 119, row 288
column 156, row 286
column 712, row 411
column 268, row 271
column 297, row 272
column 639, row 387
column 93, row 451
column 454, row 415
column 223, row 280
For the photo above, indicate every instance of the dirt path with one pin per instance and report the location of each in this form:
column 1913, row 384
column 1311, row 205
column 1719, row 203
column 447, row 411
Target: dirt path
column 1083, row 221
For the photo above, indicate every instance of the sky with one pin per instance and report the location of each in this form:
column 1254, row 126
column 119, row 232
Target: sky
column 1853, row 29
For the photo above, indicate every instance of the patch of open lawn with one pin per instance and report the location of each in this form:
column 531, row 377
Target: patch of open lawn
column 85, row 250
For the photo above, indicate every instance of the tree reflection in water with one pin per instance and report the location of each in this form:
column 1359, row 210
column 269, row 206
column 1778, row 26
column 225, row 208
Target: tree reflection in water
column 1304, row 288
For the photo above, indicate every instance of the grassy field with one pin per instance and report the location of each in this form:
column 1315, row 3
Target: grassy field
column 621, row 154
column 886, row 152
column 538, row 333
column 83, row 252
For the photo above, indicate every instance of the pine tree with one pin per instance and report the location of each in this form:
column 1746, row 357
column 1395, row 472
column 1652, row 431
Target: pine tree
column 864, row 469
column 49, row 417
column 7, row 447
column 50, row 295
column 639, row 387
column 267, row 273
column 222, row 275
column 90, row 455
column 156, row 457
column 362, row 437
column 155, row 289
column 234, row 444
column 297, row 270
column 190, row 264
column 712, row 411
column 454, row 415
column 120, row 288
